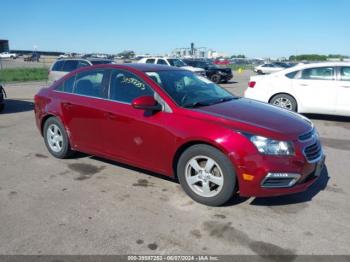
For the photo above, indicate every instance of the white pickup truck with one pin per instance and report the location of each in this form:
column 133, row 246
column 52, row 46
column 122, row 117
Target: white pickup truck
column 8, row 55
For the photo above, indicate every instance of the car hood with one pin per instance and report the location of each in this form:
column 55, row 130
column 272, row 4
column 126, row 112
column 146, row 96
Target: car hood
column 259, row 118
column 193, row 69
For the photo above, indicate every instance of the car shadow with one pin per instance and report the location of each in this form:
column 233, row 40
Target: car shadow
column 229, row 82
column 17, row 106
column 328, row 117
column 301, row 197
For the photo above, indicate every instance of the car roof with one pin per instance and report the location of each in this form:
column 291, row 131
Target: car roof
column 149, row 67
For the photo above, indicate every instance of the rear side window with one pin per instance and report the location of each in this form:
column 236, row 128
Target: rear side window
column 58, row 66
column 292, row 75
column 318, row 73
column 125, row 87
column 89, row 83
column 70, row 65
column 345, row 73
column 150, row 61
column 67, row 85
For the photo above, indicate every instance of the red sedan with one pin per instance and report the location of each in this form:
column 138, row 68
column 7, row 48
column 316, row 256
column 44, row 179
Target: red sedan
column 173, row 122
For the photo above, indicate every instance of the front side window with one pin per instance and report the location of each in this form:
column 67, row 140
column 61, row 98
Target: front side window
column 318, row 73
column 176, row 62
column 161, row 62
column 190, row 90
column 89, row 83
column 83, row 64
column 125, row 87
column 345, row 73
column 70, row 65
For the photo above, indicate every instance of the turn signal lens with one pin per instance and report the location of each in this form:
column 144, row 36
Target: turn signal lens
column 248, row 177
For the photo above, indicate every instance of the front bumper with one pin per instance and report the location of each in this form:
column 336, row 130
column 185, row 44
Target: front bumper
column 261, row 167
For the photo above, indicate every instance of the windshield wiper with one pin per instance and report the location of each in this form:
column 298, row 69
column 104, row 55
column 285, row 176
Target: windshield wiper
column 209, row 102
column 196, row 104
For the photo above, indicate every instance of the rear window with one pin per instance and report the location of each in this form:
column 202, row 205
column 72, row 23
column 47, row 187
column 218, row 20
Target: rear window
column 70, row 65
column 58, row 66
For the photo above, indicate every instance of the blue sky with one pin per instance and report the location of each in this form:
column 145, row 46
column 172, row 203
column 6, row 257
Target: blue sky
column 256, row 28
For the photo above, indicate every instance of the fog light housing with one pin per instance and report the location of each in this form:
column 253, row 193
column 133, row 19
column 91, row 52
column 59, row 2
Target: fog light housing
column 280, row 180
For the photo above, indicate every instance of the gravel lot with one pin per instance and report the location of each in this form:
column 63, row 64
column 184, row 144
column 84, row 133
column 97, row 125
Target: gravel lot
column 88, row 205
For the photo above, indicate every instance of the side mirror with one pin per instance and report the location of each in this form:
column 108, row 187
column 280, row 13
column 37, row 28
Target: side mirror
column 146, row 103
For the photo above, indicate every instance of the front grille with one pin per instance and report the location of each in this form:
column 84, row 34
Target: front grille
column 313, row 152
column 307, row 135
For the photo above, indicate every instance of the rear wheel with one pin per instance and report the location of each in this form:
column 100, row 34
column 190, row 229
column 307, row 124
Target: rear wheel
column 56, row 139
column 285, row 101
column 215, row 78
column 260, row 72
column 206, row 175
column 2, row 107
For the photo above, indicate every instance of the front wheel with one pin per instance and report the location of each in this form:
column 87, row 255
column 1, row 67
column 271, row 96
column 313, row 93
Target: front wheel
column 285, row 101
column 206, row 175
column 56, row 138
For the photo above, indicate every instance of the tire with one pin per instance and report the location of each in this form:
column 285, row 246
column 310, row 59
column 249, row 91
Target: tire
column 57, row 136
column 285, row 101
column 260, row 72
column 2, row 107
column 193, row 182
column 215, row 78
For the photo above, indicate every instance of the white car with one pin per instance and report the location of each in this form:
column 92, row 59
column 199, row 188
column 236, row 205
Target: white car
column 8, row 55
column 172, row 62
column 321, row 88
column 268, row 68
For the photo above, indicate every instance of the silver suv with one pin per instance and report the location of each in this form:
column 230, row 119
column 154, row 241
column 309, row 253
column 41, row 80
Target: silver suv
column 62, row 67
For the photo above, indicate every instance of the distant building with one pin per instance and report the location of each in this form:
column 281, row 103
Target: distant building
column 4, row 46
column 196, row 52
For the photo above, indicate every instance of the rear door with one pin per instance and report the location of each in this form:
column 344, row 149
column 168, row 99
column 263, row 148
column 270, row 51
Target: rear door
column 315, row 89
column 343, row 91
column 83, row 109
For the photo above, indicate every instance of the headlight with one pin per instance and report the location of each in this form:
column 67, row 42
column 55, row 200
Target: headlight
column 272, row 147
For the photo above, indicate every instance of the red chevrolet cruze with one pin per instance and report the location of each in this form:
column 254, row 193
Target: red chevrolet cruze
column 173, row 122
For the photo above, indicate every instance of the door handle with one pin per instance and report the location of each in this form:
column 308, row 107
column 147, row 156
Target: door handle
column 303, row 84
column 110, row 116
column 67, row 105
column 346, row 86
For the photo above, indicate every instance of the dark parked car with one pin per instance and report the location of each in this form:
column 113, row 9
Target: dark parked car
column 2, row 98
column 34, row 57
column 214, row 73
column 173, row 122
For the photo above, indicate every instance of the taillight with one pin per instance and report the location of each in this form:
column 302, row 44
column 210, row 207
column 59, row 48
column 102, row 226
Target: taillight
column 251, row 84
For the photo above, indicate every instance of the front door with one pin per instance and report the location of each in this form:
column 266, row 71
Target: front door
column 138, row 137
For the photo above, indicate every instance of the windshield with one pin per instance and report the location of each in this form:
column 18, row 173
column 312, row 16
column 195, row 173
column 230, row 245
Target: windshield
column 176, row 62
column 190, row 90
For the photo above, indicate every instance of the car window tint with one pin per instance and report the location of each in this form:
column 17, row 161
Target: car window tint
column 125, row 87
column 89, row 83
column 150, row 61
column 83, row 64
column 161, row 62
column 318, row 73
column 345, row 73
column 58, row 66
column 70, row 65
column 292, row 75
